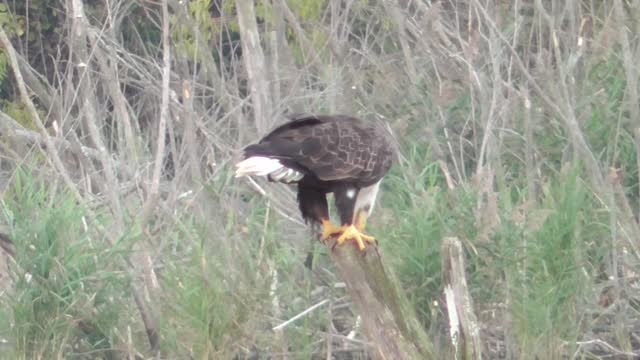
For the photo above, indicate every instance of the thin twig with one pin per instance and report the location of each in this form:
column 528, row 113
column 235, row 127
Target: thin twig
column 307, row 311
column 87, row 98
column 606, row 345
column 153, row 196
column 567, row 116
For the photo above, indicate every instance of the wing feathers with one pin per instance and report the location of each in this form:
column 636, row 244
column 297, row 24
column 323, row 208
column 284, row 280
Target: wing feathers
column 329, row 147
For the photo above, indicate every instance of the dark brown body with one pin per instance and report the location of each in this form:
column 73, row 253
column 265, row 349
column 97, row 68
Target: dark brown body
column 336, row 154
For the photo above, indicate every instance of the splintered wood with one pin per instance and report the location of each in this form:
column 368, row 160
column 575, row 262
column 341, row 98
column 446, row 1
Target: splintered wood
column 464, row 331
column 388, row 319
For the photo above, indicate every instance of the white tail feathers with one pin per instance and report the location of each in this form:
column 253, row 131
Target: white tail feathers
column 257, row 165
column 264, row 166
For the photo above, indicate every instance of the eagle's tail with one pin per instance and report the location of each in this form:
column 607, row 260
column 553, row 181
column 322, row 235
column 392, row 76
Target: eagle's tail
column 266, row 166
column 257, row 165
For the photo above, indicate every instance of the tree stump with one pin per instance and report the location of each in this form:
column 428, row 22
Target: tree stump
column 387, row 317
column 464, row 330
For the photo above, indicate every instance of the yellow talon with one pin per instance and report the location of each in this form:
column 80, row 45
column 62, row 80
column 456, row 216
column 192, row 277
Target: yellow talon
column 351, row 233
column 329, row 230
column 347, row 232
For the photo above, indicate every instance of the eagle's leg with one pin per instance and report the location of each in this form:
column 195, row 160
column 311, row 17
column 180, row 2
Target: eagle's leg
column 313, row 206
column 360, row 220
column 353, row 220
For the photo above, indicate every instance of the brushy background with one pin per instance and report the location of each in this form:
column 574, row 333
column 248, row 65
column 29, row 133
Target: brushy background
column 519, row 129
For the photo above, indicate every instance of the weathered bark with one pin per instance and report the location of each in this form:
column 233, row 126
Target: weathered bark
column 464, row 330
column 189, row 133
column 282, row 63
column 253, row 58
column 387, row 316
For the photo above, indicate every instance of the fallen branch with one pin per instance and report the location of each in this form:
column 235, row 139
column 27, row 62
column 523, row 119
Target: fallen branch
column 387, row 317
column 11, row 128
column 35, row 117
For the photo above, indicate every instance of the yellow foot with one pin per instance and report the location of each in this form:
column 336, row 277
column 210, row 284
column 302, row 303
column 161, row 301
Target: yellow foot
column 351, row 233
column 329, row 230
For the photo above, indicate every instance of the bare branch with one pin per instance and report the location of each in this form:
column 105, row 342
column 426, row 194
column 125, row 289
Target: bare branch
column 43, row 90
column 254, row 64
column 88, row 107
column 154, row 195
column 53, row 154
column 567, row 115
column 110, row 78
column 630, row 63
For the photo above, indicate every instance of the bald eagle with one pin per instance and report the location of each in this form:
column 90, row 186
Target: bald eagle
column 325, row 154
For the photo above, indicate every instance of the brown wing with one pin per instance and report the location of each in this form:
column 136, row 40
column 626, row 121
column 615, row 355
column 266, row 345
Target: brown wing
column 331, row 147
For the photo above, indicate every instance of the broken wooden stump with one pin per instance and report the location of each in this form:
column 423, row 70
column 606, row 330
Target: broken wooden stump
column 387, row 316
column 464, row 330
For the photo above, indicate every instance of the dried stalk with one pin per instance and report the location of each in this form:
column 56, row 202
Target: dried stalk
column 154, row 195
column 311, row 54
column 43, row 90
column 282, row 63
column 50, row 146
column 110, row 78
column 567, row 115
column 189, row 133
column 399, row 20
column 88, row 107
column 254, row 64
